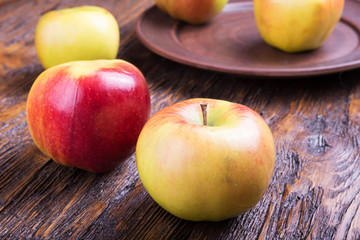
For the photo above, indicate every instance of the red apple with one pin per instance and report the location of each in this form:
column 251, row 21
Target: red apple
column 206, row 171
column 192, row 11
column 88, row 114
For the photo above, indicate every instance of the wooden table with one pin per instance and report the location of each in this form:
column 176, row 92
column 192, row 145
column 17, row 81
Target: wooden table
column 314, row 192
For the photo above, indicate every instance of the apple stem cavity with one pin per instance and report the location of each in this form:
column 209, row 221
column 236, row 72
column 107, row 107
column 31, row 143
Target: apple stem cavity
column 203, row 106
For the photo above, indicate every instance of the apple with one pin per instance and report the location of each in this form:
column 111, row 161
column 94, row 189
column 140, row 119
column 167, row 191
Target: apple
column 88, row 114
column 206, row 165
column 192, row 11
column 296, row 26
column 80, row 33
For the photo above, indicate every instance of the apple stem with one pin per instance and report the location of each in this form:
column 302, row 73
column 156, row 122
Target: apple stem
column 203, row 106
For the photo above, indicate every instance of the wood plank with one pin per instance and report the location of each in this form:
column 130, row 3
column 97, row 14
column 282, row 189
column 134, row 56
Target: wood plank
column 314, row 193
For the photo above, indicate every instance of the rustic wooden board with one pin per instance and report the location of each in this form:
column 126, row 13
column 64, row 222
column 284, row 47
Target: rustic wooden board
column 314, row 193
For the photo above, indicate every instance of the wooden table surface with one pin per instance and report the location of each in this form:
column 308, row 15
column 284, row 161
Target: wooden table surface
column 314, row 192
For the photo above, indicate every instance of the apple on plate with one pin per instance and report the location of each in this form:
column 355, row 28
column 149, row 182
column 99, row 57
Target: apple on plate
column 88, row 114
column 296, row 26
column 192, row 11
column 80, row 33
column 206, row 159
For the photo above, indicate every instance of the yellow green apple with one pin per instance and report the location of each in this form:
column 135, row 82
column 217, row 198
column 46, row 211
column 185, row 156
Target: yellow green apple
column 80, row 33
column 88, row 114
column 192, row 11
column 206, row 159
column 295, row 26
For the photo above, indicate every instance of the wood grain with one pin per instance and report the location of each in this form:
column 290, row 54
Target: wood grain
column 314, row 192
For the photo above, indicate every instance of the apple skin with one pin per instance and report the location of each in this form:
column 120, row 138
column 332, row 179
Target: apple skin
column 296, row 26
column 88, row 114
column 80, row 33
column 206, row 173
column 192, row 11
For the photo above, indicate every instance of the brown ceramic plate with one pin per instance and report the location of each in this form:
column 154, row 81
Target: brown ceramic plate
column 231, row 43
